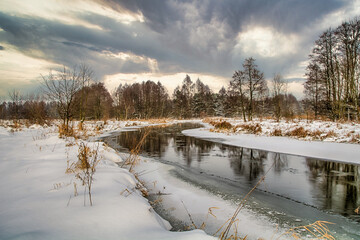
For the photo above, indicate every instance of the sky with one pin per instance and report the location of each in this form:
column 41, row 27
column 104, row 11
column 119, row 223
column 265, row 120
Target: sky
column 126, row 41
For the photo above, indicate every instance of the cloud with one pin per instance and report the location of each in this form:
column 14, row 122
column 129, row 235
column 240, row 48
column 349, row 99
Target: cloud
column 168, row 37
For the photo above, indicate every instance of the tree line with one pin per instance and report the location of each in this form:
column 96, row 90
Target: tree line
column 72, row 94
column 332, row 85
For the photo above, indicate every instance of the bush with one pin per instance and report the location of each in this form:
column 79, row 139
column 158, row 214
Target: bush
column 298, row 132
column 277, row 132
column 252, row 129
column 222, row 125
column 317, row 134
column 85, row 168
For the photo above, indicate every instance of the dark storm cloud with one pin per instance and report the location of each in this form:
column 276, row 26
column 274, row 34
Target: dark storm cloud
column 183, row 36
column 69, row 44
column 169, row 19
column 287, row 15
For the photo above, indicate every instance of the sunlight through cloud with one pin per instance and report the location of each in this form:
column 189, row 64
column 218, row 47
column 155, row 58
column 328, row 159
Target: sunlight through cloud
column 266, row 42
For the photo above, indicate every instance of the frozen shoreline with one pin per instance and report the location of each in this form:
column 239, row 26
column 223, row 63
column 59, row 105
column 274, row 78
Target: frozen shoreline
column 340, row 152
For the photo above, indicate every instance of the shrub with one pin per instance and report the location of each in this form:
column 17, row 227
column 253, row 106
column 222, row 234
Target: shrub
column 85, row 167
column 330, row 134
column 87, row 162
column 66, row 131
column 253, row 129
column 223, row 125
column 317, row 134
column 298, row 132
column 276, row 132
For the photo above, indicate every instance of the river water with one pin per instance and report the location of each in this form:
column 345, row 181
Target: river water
column 296, row 189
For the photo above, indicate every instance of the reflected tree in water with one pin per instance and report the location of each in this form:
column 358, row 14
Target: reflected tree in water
column 247, row 162
column 339, row 183
column 280, row 162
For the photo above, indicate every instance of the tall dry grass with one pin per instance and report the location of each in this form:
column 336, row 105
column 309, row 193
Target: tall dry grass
column 85, row 168
column 133, row 158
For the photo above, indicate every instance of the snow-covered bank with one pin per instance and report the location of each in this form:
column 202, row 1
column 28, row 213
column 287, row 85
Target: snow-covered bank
column 324, row 150
column 345, row 132
column 38, row 201
column 180, row 198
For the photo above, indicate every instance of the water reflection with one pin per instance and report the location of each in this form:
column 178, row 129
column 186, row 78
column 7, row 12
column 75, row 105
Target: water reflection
column 338, row 184
column 323, row 184
column 248, row 163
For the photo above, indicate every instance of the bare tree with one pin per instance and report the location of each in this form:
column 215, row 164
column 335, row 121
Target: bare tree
column 237, row 86
column 251, row 86
column 334, row 67
column 85, row 77
column 279, row 88
column 313, row 88
column 61, row 88
column 15, row 98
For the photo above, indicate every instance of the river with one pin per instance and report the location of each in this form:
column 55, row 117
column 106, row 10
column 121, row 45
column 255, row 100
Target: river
column 297, row 189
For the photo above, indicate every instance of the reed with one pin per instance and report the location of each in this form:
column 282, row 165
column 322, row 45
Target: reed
column 318, row 230
column 134, row 153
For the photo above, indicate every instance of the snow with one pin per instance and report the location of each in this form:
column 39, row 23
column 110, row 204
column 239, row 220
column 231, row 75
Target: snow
column 345, row 132
column 37, row 197
column 336, row 148
column 179, row 197
column 341, row 152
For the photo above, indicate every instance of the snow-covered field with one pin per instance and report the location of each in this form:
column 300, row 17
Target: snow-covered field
column 38, row 201
column 38, row 198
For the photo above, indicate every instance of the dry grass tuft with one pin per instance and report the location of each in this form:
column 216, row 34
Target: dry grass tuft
column 158, row 120
column 250, row 128
column 85, row 168
column 68, row 131
column 222, row 125
column 231, row 222
column 318, row 230
column 131, row 124
column 299, row 132
column 317, row 134
column 134, row 153
column 277, row 132
column 330, row 134
column 203, row 224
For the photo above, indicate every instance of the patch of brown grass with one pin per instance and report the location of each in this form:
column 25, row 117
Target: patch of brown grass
column 299, row 132
column 277, row 132
column 223, row 125
column 318, row 230
column 250, row 128
column 131, row 124
column 355, row 138
column 66, row 131
column 158, row 120
column 330, row 134
column 211, row 120
column 317, row 134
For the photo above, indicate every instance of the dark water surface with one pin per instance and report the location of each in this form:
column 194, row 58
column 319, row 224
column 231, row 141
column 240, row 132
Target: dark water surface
column 296, row 188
